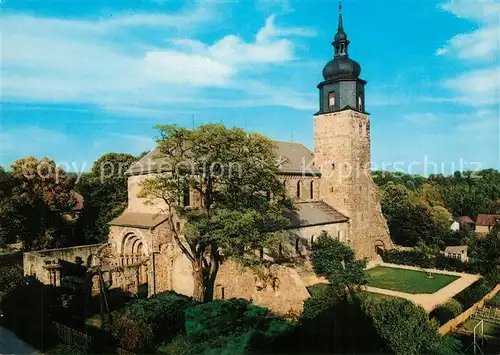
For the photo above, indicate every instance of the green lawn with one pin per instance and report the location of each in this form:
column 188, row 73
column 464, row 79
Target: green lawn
column 408, row 281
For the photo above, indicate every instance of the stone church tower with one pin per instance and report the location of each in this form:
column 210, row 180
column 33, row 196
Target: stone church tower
column 342, row 150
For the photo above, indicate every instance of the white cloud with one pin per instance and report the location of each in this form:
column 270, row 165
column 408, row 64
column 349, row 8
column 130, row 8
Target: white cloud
column 476, row 88
column 478, row 10
column 481, row 44
column 99, row 62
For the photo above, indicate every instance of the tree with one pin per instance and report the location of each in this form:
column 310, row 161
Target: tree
column 39, row 196
column 241, row 197
column 104, row 190
column 406, row 328
column 336, row 261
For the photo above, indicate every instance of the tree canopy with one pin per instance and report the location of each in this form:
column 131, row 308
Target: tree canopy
column 241, row 198
column 104, row 190
column 336, row 261
column 34, row 199
column 420, row 209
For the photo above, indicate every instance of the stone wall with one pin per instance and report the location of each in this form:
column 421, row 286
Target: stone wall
column 309, row 187
column 38, row 263
column 342, row 153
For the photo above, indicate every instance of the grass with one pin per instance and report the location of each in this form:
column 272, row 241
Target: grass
column 408, row 281
column 319, row 287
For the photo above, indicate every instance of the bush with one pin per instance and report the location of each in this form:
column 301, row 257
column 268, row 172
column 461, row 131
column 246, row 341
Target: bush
column 132, row 335
column 447, row 311
column 153, row 320
column 445, row 263
column 411, row 258
column 179, row 345
column 229, row 327
column 473, row 293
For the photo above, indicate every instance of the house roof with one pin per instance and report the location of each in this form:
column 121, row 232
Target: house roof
column 314, row 213
column 487, row 219
column 456, row 249
column 139, row 220
column 293, row 158
column 464, row 220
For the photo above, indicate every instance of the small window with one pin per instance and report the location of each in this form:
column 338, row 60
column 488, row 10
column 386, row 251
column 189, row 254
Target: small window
column 311, row 190
column 368, row 128
column 332, row 165
column 298, row 189
column 360, row 103
column 222, row 293
column 177, row 226
column 297, row 246
column 331, row 99
column 312, row 239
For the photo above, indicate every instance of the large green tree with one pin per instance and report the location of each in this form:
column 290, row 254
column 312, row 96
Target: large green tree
column 406, row 328
column 336, row 261
column 35, row 205
column 235, row 175
column 104, row 190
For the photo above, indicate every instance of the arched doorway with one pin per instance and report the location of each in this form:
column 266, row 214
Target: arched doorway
column 379, row 247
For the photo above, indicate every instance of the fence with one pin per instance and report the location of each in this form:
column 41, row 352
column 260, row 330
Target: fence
column 455, row 322
column 72, row 336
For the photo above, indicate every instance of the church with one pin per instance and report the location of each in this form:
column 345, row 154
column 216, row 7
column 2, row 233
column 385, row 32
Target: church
column 331, row 187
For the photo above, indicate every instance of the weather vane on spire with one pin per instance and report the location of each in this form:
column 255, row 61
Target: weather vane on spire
column 340, row 6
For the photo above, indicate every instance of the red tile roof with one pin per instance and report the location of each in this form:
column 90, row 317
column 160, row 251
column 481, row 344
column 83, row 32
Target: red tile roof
column 464, row 220
column 487, row 219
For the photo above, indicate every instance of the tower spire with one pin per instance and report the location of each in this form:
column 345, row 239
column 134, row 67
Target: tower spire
column 341, row 25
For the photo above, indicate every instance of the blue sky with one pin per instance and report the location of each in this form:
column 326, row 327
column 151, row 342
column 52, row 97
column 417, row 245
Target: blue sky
column 82, row 78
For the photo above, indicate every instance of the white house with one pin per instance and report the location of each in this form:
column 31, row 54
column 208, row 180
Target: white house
column 457, row 252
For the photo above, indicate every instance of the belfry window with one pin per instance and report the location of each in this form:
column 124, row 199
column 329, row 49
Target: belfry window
column 360, row 103
column 331, row 99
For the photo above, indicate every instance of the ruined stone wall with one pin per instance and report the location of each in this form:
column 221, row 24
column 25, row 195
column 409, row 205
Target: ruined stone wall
column 342, row 152
column 278, row 288
column 37, row 262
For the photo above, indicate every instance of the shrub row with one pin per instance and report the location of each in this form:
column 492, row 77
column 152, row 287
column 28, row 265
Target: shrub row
column 145, row 322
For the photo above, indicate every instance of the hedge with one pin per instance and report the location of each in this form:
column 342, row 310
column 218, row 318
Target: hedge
column 229, row 327
column 143, row 323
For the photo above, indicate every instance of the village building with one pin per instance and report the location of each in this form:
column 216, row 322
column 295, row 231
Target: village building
column 461, row 222
column 486, row 222
column 457, row 252
column 332, row 190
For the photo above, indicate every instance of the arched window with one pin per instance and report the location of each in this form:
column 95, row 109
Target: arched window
column 360, row 103
column 298, row 188
column 311, row 190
